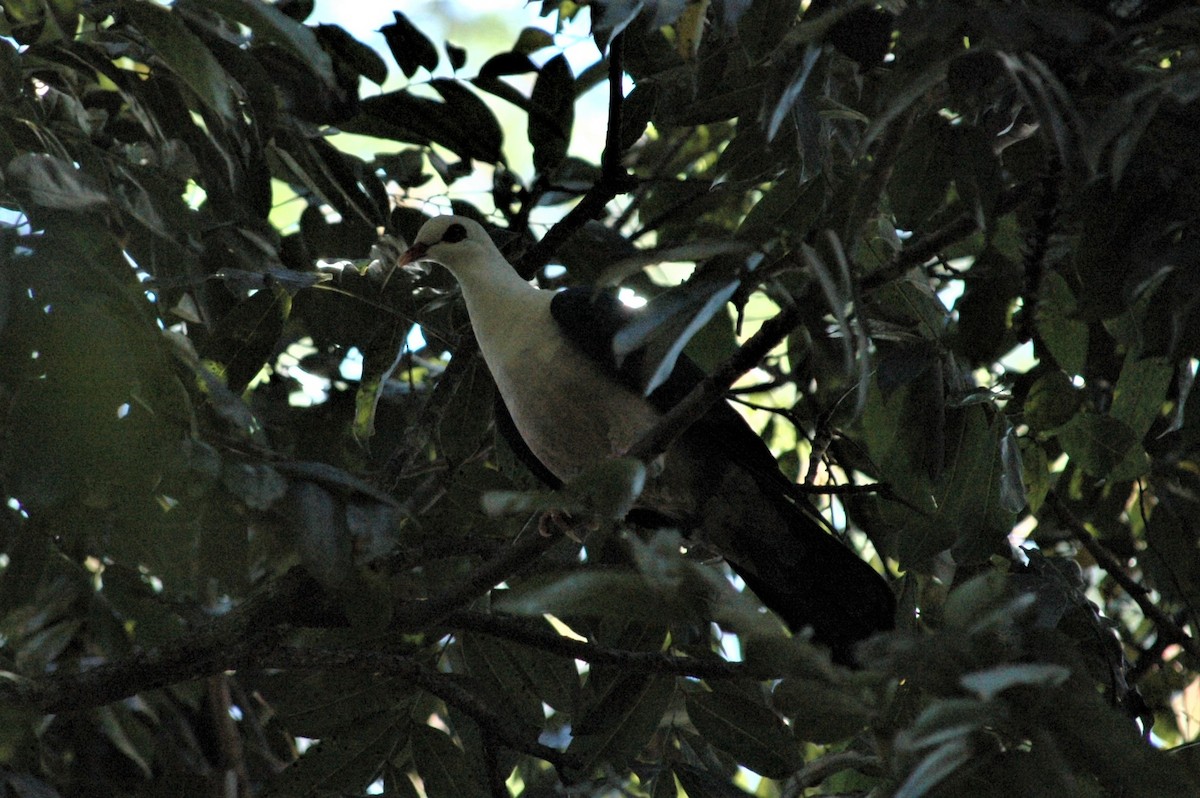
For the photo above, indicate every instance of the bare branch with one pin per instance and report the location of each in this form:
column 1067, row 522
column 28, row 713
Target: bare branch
column 613, row 180
column 773, row 331
column 1166, row 626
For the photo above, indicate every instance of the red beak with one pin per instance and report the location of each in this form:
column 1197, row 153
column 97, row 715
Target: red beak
column 413, row 254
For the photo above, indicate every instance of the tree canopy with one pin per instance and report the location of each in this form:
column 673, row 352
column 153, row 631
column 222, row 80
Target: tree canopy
column 260, row 536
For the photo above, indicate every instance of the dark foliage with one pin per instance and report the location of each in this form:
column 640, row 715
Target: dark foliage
column 972, row 226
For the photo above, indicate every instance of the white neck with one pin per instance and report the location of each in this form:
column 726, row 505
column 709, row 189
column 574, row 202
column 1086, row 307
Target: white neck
column 499, row 302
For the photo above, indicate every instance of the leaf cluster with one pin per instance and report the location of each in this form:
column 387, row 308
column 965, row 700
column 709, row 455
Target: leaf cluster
column 258, row 531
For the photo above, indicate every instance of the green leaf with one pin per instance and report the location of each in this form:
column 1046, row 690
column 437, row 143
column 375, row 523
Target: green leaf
column 603, row 594
column 346, row 50
column 935, row 768
column 457, row 56
column 330, row 702
column 921, row 177
column 615, row 729
column 988, row 684
column 412, row 49
column 187, row 56
column 530, row 40
column 1099, row 444
column 821, row 712
column 442, row 766
column 126, row 735
column 611, row 17
column 1052, row 401
column 551, row 114
column 747, row 730
column 346, row 762
column 54, row 183
column 505, row 678
column 269, row 24
column 401, row 116
column 1065, row 336
column 1140, row 393
column 473, row 115
column 665, row 326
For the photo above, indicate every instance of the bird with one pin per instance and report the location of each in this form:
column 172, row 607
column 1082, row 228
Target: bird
column 567, row 404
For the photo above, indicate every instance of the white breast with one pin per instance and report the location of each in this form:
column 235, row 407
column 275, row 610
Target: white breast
column 564, row 406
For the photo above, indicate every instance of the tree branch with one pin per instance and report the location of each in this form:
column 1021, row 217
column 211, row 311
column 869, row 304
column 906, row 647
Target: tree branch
column 419, row 615
column 920, row 250
column 613, row 180
column 434, row 682
column 1166, row 626
column 222, row 644
column 773, row 331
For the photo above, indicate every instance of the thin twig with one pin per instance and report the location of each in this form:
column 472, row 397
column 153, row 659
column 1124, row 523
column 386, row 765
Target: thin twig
column 1164, row 623
column 613, row 179
column 713, row 387
column 922, row 249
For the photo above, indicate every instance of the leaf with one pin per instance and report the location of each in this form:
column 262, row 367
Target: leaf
column 442, row 765
column 54, row 183
column 1066, row 337
column 269, row 24
column 328, row 703
column 457, row 56
column 503, row 64
column 1099, row 444
column 792, row 91
column 747, row 730
column 1140, row 393
column 116, row 724
column 346, row 50
column 187, row 56
column 611, row 17
column 411, row 48
column 935, row 768
column 595, row 593
column 321, row 536
column 921, row 177
column 619, row 724
column 472, row 114
column 821, row 712
column 346, row 762
column 242, row 340
column 401, row 116
column 696, row 781
column 1052, row 401
column 508, row 676
column 988, row 684
column 551, row 114
column 530, row 40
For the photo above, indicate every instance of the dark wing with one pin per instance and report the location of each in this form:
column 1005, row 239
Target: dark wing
column 774, row 542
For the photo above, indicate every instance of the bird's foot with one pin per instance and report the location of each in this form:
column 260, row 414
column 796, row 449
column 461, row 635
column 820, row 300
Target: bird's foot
column 560, row 522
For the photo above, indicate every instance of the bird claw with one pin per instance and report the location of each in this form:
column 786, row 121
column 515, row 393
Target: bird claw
column 560, row 522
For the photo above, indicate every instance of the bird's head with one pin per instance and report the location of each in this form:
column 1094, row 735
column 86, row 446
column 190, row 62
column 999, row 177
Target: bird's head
column 457, row 243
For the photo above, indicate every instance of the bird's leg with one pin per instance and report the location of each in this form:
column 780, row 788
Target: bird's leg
column 560, row 522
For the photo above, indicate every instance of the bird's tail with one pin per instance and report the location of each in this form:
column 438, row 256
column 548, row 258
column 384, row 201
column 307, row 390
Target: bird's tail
column 811, row 580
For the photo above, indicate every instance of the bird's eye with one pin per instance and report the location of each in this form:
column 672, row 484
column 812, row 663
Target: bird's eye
column 454, row 233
